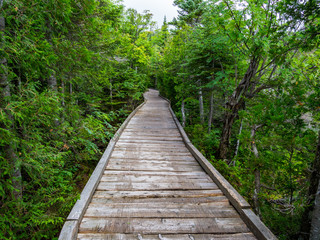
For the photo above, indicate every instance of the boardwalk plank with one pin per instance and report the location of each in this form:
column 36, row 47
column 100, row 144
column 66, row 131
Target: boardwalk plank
column 155, row 186
column 157, row 194
column 169, row 210
column 167, row 161
column 219, row 200
column 145, row 156
column 163, row 225
column 98, row 236
column 162, row 146
column 153, row 167
column 152, row 178
column 144, row 153
column 157, row 173
column 154, row 149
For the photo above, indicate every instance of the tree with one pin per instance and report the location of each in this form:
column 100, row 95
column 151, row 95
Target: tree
column 259, row 30
column 65, row 86
column 191, row 10
column 5, row 94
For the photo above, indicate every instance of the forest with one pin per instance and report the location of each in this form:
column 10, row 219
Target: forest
column 243, row 78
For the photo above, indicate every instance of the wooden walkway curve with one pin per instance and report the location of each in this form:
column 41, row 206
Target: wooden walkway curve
column 153, row 184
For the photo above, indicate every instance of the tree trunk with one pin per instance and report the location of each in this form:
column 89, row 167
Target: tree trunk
column 70, row 88
column 201, row 106
column 210, row 112
column 52, row 82
column 10, row 148
column 63, row 92
column 257, row 176
column 314, row 184
column 257, row 186
column 111, row 93
column 183, row 113
column 238, row 140
column 234, row 104
column 315, row 222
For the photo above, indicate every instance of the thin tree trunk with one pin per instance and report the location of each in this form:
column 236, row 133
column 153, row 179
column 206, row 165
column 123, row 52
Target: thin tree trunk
column 314, row 184
column 234, row 104
column 238, row 140
column 257, row 186
column 236, row 73
column 111, row 93
column 315, row 222
column 10, row 148
column 290, row 174
column 70, row 88
column 183, row 113
column 52, row 82
column 201, row 106
column 210, row 112
column 63, row 92
column 257, row 175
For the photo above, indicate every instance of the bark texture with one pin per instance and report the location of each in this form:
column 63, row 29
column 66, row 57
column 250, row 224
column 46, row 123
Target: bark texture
column 312, row 193
column 257, row 175
column 183, row 113
column 52, row 82
column 210, row 112
column 238, row 140
column 315, row 223
column 234, row 105
column 201, row 106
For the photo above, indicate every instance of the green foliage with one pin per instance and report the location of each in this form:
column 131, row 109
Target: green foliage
column 74, row 71
column 71, row 71
column 211, row 49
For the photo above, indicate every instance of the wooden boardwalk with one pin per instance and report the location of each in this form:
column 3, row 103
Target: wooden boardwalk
column 154, row 188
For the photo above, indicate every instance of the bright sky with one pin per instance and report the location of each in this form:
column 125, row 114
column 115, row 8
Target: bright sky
column 159, row 8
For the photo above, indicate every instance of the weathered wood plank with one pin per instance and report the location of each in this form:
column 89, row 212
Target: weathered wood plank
column 153, row 131
column 216, row 199
column 69, row 230
column 157, row 194
column 158, row 173
column 165, row 141
column 150, row 138
column 117, row 236
column 151, row 134
column 154, row 179
column 151, row 149
column 163, row 225
column 256, row 226
column 143, row 127
column 155, row 186
column 153, row 167
column 160, row 146
column 145, row 156
column 146, row 153
column 180, row 162
column 168, row 210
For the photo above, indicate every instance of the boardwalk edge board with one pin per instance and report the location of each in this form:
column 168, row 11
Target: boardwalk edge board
column 71, row 226
column 240, row 204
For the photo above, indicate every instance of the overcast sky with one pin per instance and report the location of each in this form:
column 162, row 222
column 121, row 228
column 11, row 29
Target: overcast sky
column 159, row 8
